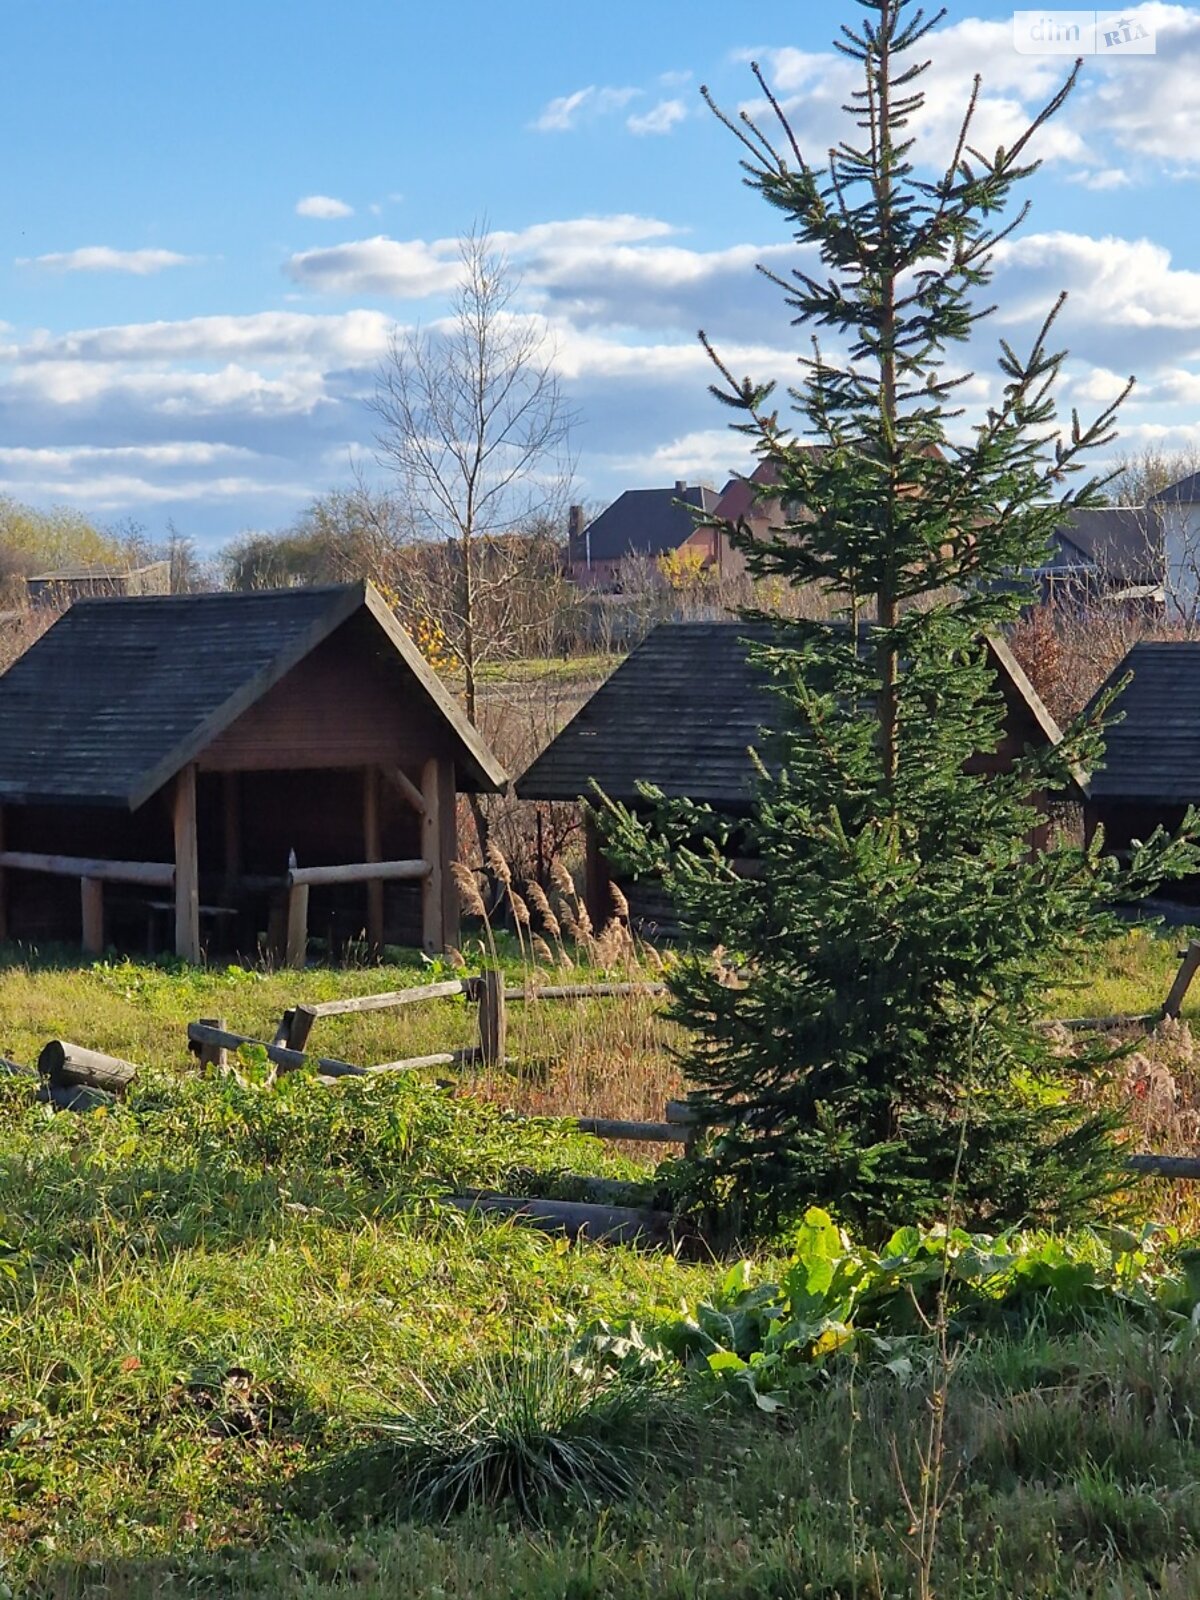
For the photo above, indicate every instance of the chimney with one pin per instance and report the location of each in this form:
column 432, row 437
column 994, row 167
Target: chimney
column 680, row 486
column 576, row 526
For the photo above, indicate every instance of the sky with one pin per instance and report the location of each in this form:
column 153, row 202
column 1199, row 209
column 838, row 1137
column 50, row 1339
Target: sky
column 216, row 214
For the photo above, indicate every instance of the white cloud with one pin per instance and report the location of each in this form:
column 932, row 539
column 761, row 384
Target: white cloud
column 102, row 258
column 291, row 336
column 567, row 111
column 324, row 207
column 666, row 115
column 414, row 269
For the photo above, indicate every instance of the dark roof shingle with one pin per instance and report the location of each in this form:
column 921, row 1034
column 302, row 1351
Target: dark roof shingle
column 681, row 712
column 120, row 693
column 647, row 522
column 1153, row 752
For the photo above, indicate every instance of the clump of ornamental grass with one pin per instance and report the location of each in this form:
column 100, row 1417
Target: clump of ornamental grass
column 526, row 1431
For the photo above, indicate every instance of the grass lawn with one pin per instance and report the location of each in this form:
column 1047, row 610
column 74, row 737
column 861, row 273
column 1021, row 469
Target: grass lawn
column 213, row 1284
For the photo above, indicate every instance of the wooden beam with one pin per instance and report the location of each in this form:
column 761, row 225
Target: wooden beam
column 92, row 897
column 439, row 842
column 359, row 872
column 597, row 878
column 407, row 788
column 582, row 991
column 187, row 868
column 641, row 1132
column 1189, row 966
column 152, row 874
column 387, row 1001
column 373, row 852
column 296, row 948
column 201, row 1034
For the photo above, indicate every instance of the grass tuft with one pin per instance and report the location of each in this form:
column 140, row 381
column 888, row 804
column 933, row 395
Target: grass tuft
column 524, row 1430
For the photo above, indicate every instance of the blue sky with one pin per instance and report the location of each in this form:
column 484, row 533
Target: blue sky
column 215, row 213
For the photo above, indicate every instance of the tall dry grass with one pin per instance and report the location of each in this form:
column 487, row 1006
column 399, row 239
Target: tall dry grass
column 608, row 1056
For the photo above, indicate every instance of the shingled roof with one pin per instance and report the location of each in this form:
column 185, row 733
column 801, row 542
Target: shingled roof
column 681, row 712
column 120, row 694
column 1153, row 753
column 1123, row 543
column 647, row 522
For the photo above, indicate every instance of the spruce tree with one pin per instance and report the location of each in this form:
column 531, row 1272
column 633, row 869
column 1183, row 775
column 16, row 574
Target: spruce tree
column 879, row 1047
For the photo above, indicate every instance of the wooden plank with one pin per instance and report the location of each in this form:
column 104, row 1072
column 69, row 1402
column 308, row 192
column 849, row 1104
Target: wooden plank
column 443, row 1058
column 1188, row 968
column 493, row 1021
column 66, row 1065
column 639, row 1132
column 300, row 1021
column 187, row 868
column 201, row 1033
column 358, row 872
column 154, row 874
column 582, row 991
column 296, row 947
column 373, row 852
column 680, row 1112
column 1119, row 1019
column 92, row 907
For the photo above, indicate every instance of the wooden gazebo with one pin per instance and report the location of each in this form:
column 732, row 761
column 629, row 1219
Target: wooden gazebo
column 683, row 711
column 232, row 763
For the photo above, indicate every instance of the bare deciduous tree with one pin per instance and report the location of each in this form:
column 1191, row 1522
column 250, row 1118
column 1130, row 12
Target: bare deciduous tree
column 472, row 420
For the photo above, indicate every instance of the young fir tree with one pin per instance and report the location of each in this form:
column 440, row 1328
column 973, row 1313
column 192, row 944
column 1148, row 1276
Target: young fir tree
column 880, row 1048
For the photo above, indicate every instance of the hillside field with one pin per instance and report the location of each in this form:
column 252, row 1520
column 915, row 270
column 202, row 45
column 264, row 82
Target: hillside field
column 208, row 1290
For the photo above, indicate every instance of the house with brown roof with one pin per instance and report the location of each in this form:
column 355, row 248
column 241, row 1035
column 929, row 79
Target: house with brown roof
column 643, row 524
column 229, row 768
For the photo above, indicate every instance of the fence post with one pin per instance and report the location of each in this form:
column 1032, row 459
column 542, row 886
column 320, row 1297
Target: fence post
column 493, row 1019
column 213, row 1055
column 1173, row 1004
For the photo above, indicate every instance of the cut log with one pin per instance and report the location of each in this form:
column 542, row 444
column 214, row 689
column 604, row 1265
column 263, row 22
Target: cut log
column 154, row 874
column 602, row 1224
column 14, row 1069
column 74, row 1097
column 63, row 1064
column 200, row 1034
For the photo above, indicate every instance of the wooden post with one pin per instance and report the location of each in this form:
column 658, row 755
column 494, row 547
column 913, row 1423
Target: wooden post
column 187, row 868
column 1189, row 966
column 439, row 846
column 92, row 895
column 3, row 884
column 493, row 1019
column 231, row 798
column 64, row 1064
column 296, row 951
column 213, row 1055
column 597, row 879
column 373, row 851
